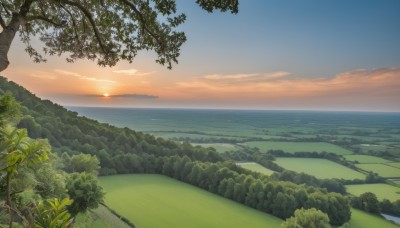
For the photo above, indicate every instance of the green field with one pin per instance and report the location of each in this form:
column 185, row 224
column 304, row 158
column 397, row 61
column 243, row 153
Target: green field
column 100, row 217
column 397, row 182
column 361, row 219
column 382, row 191
column 255, row 167
column 292, row 147
column 394, row 164
column 220, row 147
column 320, row 168
column 382, row 169
column 157, row 201
column 365, row 158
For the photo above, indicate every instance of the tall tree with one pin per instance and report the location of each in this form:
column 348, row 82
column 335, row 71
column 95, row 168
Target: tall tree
column 16, row 149
column 106, row 31
column 311, row 218
column 84, row 190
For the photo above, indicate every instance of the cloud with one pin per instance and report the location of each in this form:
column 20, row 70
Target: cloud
column 240, row 78
column 134, row 95
column 359, row 83
column 133, row 72
column 73, row 74
column 137, row 96
column 43, row 75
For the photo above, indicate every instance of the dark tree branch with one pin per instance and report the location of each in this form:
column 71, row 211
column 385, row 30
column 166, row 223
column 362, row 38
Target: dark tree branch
column 44, row 19
column 2, row 22
column 92, row 22
column 142, row 20
column 5, row 9
column 73, row 22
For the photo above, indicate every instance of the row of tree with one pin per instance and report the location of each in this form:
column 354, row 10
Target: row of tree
column 369, row 202
column 255, row 190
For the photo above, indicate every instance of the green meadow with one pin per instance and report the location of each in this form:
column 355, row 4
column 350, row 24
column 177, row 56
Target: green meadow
column 292, row 147
column 394, row 164
column 100, row 217
column 382, row 169
column 361, row 219
column 365, row 158
column 157, row 201
column 382, row 191
column 320, row 168
column 255, row 167
column 219, row 147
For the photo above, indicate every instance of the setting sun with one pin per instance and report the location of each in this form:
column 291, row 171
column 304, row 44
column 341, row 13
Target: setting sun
column 106, row 95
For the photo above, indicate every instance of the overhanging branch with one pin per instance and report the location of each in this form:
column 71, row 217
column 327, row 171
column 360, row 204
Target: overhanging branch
column 2, row 23
column 142, row 20
column 92, row 22
column 48, row 20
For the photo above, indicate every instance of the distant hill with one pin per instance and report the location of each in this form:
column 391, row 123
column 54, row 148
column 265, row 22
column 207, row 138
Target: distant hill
column 118, row 149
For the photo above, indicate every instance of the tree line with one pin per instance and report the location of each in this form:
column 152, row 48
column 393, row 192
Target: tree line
column 369, row 202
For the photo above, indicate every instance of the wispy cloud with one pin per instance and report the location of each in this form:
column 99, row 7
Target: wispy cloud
column 133, row 72
column 358, row 83
column 43, row 75
column 240, row 78
column 134, row 95
column 82, row 77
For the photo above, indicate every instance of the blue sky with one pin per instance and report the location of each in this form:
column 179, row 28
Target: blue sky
column 313, row 37
column 275, row 54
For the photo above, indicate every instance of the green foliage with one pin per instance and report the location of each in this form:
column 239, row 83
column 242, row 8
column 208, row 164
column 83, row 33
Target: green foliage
column 9, row 109
column 367, row 202
column 84, row 190
column 106, row 31
column 17, row 149
column 81, row 163
column 307, row 218
column 53, row 213
column 336, row 206
column 391, row 208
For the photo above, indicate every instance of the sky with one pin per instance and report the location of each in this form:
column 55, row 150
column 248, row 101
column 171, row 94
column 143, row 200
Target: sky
column 275, row 54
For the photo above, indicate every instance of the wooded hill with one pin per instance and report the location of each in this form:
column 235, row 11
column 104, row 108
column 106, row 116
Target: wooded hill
column 117, row 148
column 122, row 150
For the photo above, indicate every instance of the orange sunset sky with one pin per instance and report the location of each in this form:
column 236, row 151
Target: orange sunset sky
column 271, row 55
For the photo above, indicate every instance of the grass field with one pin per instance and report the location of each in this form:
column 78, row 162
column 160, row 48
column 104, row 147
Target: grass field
column 394, row 164
column 320, row 168
column 382, row 169
column 365, row 158
column 382, row 191
column 361, row 219
column 292, row 147
column 220, row 147
column 158, row 201
column 397, row 183
column 100, row 217
column 255, row 167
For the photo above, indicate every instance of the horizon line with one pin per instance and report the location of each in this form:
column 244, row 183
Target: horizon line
column 234, row 109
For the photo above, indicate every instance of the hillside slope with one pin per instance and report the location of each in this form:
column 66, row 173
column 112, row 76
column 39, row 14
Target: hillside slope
column 118, row 149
